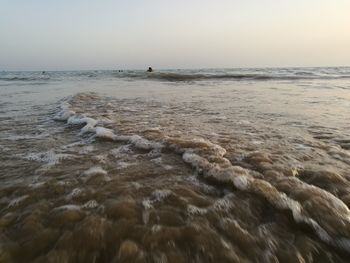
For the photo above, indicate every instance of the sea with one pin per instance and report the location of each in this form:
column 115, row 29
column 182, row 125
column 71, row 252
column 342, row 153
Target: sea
column 200, row 165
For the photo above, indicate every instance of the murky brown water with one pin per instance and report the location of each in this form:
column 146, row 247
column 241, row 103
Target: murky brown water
column 203, row 175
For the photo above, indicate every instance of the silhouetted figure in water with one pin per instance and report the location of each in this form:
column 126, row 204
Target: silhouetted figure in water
column 44, row 72
column 150, row 69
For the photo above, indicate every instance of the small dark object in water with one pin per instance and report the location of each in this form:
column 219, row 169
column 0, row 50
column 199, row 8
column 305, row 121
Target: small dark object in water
column 44, row 72
column 150, row 69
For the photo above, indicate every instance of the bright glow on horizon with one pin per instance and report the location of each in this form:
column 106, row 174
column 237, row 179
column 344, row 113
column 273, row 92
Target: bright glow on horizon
column 90, row 34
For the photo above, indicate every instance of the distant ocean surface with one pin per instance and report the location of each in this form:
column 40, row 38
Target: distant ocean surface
column 207, row 165
column 184, row 75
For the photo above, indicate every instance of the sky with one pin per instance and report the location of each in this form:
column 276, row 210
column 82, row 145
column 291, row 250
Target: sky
column 135, row 34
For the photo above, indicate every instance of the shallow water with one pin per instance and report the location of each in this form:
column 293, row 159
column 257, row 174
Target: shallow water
column 121, row 167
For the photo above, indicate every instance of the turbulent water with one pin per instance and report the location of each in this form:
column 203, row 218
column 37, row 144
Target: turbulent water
column 243, row 165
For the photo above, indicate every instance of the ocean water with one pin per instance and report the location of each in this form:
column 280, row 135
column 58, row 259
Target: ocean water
column 215, row 165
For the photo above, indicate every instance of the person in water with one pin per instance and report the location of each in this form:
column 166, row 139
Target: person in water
column 150, row 69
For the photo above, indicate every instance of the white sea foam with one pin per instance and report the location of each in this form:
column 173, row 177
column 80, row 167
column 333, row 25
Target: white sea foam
column 212, row 147
column 4, row 148
column 167, row 167
column 75, row 192
column 241, row 182
column 100, row 158
column 153, row 129
column 105, row 133
column 144, row 144
column 17, row 201
column 160, row 194
column 65, row 112
column 157, row 160
column 123, row 165
column 195, row 160
column 68, row 207
column 50, row 157
column 257, row 142
column 90, row 204
column 95, row 170
column 244, row 122
column 36, row 185
column 90, row 123
column 136, row 185
column 227, row 220
column 64, row 115
column 154, row 153
column 86, row 149
column 122, row 151
column 194, row 210
column 223, row 204
column 155, row 229
column 147, row 203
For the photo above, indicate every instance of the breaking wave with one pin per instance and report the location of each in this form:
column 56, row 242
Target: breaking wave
column 264, row 74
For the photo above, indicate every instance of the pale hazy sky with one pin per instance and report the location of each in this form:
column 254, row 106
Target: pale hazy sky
column 106, row 34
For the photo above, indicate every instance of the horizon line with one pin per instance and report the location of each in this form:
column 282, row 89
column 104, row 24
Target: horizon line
column 163, row 68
